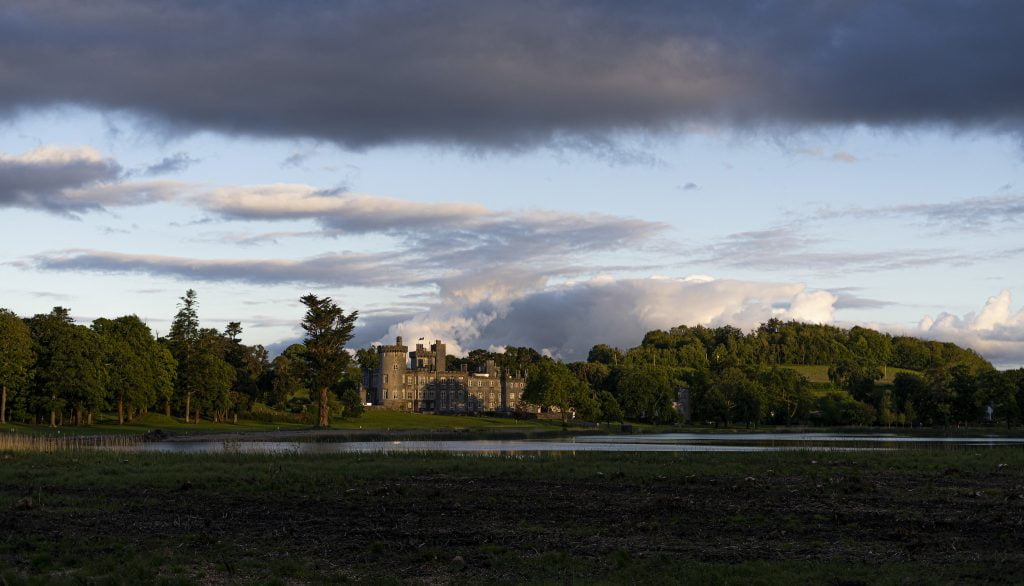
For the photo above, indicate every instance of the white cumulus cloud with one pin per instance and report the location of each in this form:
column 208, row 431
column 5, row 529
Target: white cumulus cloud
column 568, row 319
column 996, row 332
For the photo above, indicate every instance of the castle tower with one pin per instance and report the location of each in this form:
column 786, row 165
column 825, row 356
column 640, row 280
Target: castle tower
column 391, row 375
column 440, row 356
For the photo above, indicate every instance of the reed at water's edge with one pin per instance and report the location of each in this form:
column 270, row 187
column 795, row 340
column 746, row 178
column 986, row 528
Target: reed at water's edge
column 16, row 442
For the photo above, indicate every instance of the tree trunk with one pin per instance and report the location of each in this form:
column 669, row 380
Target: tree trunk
column 167, row 407
column 120, row 410
column 325, row 409
column 188, row 405
column 53, row 418
column 89, row 419
column 3, row 406
column 197, row 414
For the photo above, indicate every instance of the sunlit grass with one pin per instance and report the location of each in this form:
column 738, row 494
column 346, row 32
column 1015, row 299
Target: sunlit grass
column 372, row 419
column 818, row 373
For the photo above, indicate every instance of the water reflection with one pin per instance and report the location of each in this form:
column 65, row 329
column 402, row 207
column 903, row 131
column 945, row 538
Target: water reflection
column 669, row 442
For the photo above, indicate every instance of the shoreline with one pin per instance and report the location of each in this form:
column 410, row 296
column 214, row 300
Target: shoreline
column 341, row 435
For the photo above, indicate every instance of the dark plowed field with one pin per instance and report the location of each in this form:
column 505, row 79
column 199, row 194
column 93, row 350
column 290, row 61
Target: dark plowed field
column 920, row 517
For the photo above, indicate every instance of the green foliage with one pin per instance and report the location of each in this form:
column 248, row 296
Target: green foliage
column 837, row 408
column 595, row 374
column 351, row 403
column 610, row 409
column 250, row 364
column 734, row 395
column 212, row 378
column 788, row 396
column 795, row 343
column 367, row 358
column 288, row 374
column 551, row 384
column 70, row 369
column 140, row 370
column 762, row 376
column 646, row 393
column 183, row 341
column 16, row 359
column 327, row 329
column 855, row 375
column 605, row 354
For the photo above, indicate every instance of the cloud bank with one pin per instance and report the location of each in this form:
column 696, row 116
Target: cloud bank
column 466, row 250
column 995, row 332
column 352, row 269
column 971, row 214
column 492, row 74
column 567, row 320
column 789, row 247
column 70, row 181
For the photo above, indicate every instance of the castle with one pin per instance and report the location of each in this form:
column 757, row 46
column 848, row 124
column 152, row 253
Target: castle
column 420, row 381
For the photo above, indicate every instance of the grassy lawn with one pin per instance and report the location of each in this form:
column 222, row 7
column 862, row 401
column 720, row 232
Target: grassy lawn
column 149, row 422
column 921, row 516
column 381, row 420
column 818, row 373
column 378, row 419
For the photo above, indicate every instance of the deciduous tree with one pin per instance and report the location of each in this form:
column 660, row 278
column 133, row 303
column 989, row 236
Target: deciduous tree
column 16, row 357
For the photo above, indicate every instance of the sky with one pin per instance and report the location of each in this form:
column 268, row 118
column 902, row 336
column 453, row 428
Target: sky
column 547, row 173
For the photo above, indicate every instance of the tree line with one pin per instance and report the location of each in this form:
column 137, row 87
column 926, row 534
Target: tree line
column 734, row 377
column 55, row 371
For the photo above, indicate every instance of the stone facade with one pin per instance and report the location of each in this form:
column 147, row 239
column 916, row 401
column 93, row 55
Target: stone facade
column 420, row 381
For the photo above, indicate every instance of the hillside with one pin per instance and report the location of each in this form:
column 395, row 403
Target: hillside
column 818, row 373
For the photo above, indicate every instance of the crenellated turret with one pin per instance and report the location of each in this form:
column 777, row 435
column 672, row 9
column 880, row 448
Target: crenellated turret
column 391, row 373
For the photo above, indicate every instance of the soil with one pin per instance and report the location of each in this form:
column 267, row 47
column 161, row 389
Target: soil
column 452, row 522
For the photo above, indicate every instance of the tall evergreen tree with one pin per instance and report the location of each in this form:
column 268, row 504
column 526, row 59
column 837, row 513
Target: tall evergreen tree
column 328, row 329
column 183, row 341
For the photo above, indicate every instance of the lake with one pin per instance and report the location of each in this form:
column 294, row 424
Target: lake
column 666, row 442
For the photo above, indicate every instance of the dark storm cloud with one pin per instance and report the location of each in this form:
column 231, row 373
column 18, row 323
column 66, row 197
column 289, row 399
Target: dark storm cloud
column 508, row 75
column 70, row 181
column 46, row 179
